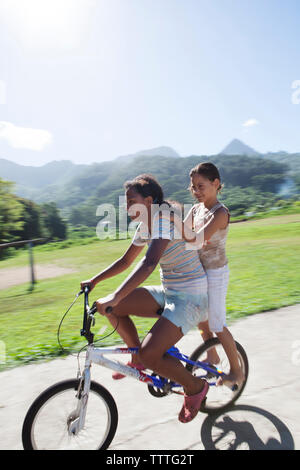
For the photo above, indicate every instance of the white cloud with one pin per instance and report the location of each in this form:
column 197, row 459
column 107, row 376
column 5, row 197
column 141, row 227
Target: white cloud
column 251, row 122
column 24, row 137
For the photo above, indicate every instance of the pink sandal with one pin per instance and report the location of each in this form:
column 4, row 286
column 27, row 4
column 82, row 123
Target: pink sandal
column 118, row 375
column 192, row 404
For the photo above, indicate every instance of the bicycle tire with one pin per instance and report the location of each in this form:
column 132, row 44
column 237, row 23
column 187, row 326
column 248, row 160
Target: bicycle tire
column 207, row 407
column 58, row 388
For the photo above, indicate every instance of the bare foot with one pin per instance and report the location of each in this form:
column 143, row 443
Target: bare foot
column 212, row 358
column 231, row 379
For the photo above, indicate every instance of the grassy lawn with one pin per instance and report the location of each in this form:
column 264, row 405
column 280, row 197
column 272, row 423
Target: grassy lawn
column 264, row 260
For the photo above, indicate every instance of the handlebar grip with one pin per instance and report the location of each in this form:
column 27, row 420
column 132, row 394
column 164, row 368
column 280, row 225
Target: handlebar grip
column 108, row 309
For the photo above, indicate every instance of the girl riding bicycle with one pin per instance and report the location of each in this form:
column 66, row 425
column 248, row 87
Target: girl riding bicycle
column 207, row 226
column 181, row 299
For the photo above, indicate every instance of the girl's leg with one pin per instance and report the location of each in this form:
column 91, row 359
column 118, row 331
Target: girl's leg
column 212, row 355
column 139, row 303
column 235, row 375
column 205, row 331
column 163, row 335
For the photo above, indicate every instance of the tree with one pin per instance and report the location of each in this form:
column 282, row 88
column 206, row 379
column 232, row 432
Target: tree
column 11, row 211
column 32, row 220
column 267, row 183
column 55, row 225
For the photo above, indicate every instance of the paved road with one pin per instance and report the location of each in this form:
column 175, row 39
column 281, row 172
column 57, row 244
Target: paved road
column 267, row 416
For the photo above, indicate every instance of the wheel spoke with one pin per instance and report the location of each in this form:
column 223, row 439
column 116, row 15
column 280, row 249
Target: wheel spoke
column 218, row 397
column 48, row 421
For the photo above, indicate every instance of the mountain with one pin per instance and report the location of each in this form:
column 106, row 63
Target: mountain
column 237, row 147
column 78, row 194
column 155, row 152
column 290, row 159
column 42, row 182
column 56, row 172
column 70, row 184
column 104, row 182
column 31, row 181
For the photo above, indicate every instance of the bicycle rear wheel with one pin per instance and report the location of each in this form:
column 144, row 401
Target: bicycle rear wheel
column 218, row 398
column 49, row 420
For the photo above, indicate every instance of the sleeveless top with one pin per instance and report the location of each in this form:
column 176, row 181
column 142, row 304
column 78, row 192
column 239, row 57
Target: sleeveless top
column 212, row 255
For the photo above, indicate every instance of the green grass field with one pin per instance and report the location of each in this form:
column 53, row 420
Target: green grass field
column 264, row 260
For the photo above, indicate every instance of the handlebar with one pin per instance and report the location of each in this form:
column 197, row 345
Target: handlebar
column 93, row 310
column 88, row 317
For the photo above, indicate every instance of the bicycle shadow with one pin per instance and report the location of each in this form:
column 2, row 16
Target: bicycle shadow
column 230, row 430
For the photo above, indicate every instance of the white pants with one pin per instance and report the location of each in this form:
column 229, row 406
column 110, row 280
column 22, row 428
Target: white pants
column 217, row 289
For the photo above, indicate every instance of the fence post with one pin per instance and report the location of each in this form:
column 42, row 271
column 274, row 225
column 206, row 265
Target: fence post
column 30, row 244
column 30, row 249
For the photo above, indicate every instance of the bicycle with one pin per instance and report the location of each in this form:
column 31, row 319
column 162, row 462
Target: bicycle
column 82, row 414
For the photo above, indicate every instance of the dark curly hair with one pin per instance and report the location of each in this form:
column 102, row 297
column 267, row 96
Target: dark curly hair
column 146, row 185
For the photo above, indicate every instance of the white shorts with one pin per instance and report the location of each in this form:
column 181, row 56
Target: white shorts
column 217, row 289
column 184, row 310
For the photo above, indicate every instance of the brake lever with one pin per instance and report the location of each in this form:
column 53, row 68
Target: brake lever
column 93, row 309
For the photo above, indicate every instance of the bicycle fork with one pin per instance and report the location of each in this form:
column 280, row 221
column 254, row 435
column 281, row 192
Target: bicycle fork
column 76, row 419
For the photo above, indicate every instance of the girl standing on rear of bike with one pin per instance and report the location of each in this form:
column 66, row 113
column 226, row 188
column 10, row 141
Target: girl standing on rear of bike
column 181, row 299
column 206, row 225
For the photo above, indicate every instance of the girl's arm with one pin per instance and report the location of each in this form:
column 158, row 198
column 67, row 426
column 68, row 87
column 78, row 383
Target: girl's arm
column 143, row 269
column 117, row 267
column 217, row 221
column 141, row 272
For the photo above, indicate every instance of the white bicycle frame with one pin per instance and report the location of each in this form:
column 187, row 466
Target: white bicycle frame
column 96, row 356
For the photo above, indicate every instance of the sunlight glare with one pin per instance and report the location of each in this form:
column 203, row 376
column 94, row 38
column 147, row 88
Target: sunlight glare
column 48, row 23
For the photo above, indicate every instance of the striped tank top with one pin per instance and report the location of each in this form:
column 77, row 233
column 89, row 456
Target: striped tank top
column 180, row 268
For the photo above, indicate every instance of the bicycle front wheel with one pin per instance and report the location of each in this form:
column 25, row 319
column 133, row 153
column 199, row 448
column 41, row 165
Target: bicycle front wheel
column 48, row 422
column 218, row 398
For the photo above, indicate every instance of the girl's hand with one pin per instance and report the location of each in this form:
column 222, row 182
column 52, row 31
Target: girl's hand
column 110, row 300
column 88, row 283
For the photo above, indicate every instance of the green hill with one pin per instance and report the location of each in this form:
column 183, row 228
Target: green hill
column 250, row 181
column 253, row 178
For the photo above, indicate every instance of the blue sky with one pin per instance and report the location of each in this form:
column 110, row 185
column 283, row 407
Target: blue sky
column 89, row 80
